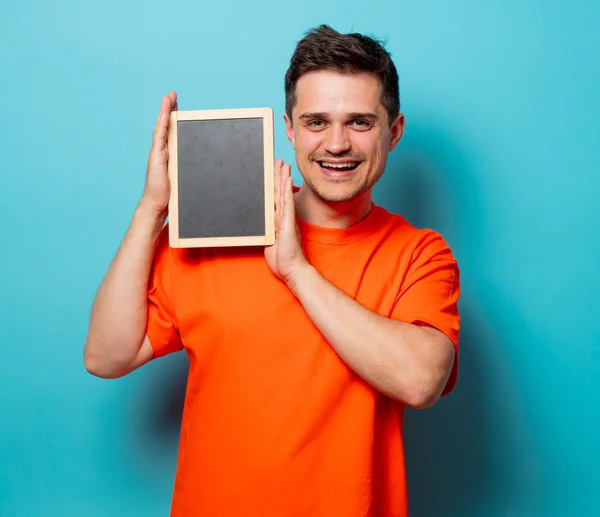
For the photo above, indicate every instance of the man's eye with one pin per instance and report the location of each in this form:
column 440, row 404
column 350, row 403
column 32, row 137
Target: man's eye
column 361, row 124
column 315, row 123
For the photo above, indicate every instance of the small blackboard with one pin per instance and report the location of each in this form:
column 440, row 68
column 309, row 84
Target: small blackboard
column 221, row 173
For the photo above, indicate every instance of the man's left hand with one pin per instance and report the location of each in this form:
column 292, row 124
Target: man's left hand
column 285, row 258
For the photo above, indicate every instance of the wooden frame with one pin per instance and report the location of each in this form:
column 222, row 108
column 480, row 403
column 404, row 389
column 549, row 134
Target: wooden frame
column 266, row 114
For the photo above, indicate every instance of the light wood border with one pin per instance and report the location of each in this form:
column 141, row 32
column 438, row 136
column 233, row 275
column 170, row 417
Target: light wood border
column 266, row 114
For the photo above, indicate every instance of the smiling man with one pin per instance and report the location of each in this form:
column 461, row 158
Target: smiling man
column 304, row 355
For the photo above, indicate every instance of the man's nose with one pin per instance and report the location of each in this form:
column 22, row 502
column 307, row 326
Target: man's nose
column 338, row 139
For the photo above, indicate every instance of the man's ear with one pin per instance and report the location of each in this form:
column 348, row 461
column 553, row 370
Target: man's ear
column 289, row 130
column 396, row 131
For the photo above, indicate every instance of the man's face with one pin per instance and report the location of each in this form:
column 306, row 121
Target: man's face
column 341, row 134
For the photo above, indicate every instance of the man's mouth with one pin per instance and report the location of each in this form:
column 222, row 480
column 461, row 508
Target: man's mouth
column 339, row 167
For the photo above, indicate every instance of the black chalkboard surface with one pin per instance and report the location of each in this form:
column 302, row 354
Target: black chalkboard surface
column 221, row 174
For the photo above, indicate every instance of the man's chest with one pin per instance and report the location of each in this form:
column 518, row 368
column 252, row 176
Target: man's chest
column 240, row 293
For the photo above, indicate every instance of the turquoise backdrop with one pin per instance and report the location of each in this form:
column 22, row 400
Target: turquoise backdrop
column 501, row 155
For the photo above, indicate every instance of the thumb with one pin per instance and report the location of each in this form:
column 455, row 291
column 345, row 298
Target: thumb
column 289, row 207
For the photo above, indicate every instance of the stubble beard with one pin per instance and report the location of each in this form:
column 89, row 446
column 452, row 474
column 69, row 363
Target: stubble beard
column 339, row 197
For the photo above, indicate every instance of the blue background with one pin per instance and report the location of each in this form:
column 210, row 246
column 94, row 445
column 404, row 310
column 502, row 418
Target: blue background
column 501, row 154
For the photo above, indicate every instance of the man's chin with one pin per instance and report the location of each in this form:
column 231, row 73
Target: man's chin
column 337, row 191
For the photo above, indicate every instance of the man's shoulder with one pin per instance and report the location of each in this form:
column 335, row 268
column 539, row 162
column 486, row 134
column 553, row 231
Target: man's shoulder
column 394, row 220
column 396, row 225
column 400, row 230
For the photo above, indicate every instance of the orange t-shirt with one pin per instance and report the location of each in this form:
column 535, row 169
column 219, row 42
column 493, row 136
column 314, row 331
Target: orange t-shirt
column 275, row 424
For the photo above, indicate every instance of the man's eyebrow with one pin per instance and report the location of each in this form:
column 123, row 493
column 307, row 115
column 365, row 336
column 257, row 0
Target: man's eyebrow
column 355, row 115
column 308, row 116
column 370, row 116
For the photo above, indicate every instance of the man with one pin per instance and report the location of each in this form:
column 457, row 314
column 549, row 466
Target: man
column 303, row 355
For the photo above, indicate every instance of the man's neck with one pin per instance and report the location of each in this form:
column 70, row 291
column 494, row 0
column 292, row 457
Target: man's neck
column 313, row 210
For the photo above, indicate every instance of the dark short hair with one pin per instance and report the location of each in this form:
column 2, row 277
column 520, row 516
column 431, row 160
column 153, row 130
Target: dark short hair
column 323, row 48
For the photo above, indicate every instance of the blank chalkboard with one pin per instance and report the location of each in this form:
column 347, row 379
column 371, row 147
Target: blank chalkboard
column 221, row 174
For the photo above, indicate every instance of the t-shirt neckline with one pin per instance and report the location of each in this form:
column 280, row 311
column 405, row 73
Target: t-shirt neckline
column 366, row 226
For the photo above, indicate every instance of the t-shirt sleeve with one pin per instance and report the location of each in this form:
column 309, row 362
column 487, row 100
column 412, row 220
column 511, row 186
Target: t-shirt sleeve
column 430, row 291
column 161, row 327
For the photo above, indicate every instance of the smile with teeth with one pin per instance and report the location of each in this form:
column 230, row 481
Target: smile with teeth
column 339, row 166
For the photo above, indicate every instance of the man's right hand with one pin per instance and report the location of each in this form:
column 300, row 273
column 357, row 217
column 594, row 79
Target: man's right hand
column 157, row 189
column 117, row 342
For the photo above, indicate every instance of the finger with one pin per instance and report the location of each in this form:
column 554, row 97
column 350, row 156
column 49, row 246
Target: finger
column 164, row 106
column 276, row 185
column 282, row 177
column 173, row 98
column 159, row 138
column 285, row 192
column 277, row 180
column 290, row 211
column 287, row 174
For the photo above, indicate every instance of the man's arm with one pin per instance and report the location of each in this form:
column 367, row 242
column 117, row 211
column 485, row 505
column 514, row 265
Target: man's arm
column 116, row 342
column 407, row 362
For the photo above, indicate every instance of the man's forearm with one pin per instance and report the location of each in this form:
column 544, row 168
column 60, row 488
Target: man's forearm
column 119, row 313
column 406, row 362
